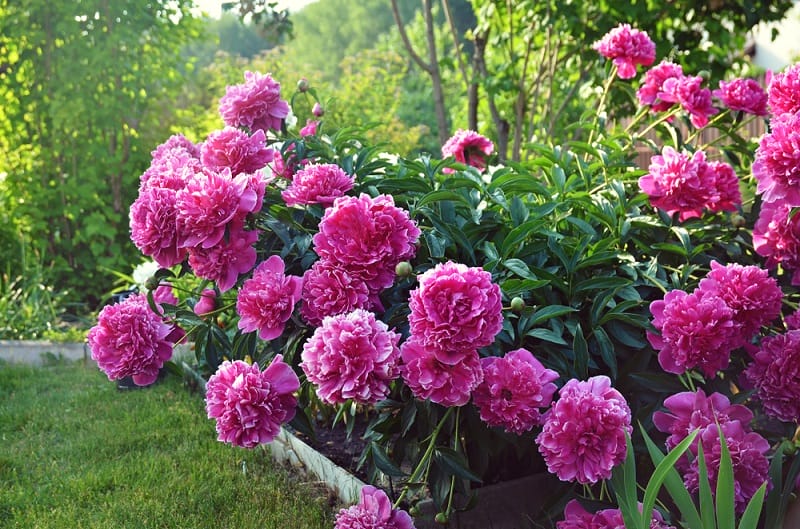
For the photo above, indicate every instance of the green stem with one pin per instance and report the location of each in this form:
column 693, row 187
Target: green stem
column 711, row 123
column 450, row 494
column 601, row 106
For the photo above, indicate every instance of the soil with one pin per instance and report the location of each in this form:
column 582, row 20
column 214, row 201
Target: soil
column 333, row 443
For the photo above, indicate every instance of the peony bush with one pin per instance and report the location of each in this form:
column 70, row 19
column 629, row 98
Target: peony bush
column 576, row 313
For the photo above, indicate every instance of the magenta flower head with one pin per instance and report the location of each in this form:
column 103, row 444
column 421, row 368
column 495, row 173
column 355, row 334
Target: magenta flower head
column 653, row 85
column 234, row 149
column 318, row 110
column 783, row 91
column 206, row 303
column 677, row 183
column 745, row 95
column 154, row 225
column 776, row 236
column 170, row 169
column 696, row 331
column 514, row 390
column 352, row 356
column 175, row 144
column 690, row 411
column 723, row 187
column 775, row 374
column 374, row 511
column 627, row 47
column 445, row 384
column 576, row 517
column 267, row 299
column 328, row 290
column 310, row 129
column 367, row 237
column 318, row 184
column 130, row 340
column 583, row 436
column 250, row 405
column 777, row 162
column 693, row 98
column 753, row 295
column 226, row 261
column 455, row 308
column 468, row 147
column 256, row 104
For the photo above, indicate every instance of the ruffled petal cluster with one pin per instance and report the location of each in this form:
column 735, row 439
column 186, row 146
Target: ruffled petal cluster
column 775, row 375
column 468, row 147
column 130, row 340
column 576, row 517
column 583, row 436
column 776, row 236
column 226, row 261
column 329, row 290
column 691, row 96
column 267, row 299
column 207, row 302
column 745, row 95
column 653, row 85
column 627, row 48
column 776, row 166
column 515, row 390
column 783, row 91
column 256, row 104
column 352, row 356
column 154, row 225
column 373, row 511
column 234, row 149
column 442, row 383
column 250, row 405
column 317, row 184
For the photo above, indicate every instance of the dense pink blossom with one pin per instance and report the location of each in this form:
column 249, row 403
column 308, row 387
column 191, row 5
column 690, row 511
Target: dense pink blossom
column 722, row 187
column 627, row 47
column 583, row 436
column 793, row 320
column 445, row 384
column 170, row 170
column 776, row 236
column 329, row 290
column 226, row 261
column 175, row 144
column 468, row 147
column 693, row 98
column 748, row 457
column 352, row 356
column 207, row 302
column 267, row 299
column 653, row 85
column 777, row 162
column 679, row 183
column 576, row 517
column 130, row 340
column 250, row 405
column 456, row 307
column 514, row 390
column 286, row 164
column 373, row 511
column 208, row 205
column 257, row 183
column 310, row 128
column 695, row 331
column 753, row 295
column 318, row 184
column 256, row 104
column 154, row 227
column 783, row 91
column 689, row 411
column 367, row 237
column 236, row 150
column 775, row 374
column 745, row 95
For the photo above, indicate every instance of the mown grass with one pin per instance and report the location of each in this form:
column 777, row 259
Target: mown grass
column 75, row 452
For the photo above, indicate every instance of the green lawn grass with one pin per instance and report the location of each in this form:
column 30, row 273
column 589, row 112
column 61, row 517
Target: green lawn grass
column 75, row 452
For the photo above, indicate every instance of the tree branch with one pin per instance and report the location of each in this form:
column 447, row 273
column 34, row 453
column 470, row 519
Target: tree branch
column 406, row 41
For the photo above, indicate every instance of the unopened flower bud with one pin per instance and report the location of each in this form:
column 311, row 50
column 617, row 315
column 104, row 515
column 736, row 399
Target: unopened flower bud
column 207, row 302
column 403, row 269
column 318, row 111
column 151, row 283
column 441, row 518
column 302, row 85
column 517, row 304
column 738, row 221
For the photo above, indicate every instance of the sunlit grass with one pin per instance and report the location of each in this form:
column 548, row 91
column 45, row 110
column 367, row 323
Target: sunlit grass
column 76, row 452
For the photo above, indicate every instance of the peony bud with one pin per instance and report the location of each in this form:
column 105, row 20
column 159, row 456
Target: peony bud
column 517, row 304
column 302, row 85
column 207, row 302
column 403, row 269
column 318, row 111
column 738, row 221
column 151, row 283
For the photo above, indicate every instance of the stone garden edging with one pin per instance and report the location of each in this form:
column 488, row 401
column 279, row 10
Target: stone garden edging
column 39, row 352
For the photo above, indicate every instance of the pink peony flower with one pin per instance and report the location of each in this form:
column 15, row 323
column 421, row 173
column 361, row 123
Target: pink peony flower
column 514, row 389
column 310, row 129
column 130, row 340
column 723, row 187
column 776, row 236
column 793, row 320
column 653, row 85
column 777, row 162
column 687, row 92
column 233, row 149
column 455, row 308
column 175, row 144
column 783, row 91
column 250, row 405
column 678, row 183
column 754, row 297
column 627, row 47
column 329, row 290
column 690, row 411
column 285, row 165
column 745, row 95
column 256, row 104
column 576, row 517
column 154, row 228
column 374, row 511
column 696, row 331
column 352, row 356
column 207, row 302
column 775, row 373
column 583, row 436
column 468, row 147
column 170, row 170
column 317, row 184
column 267, row 299
column 225, row 262
column 748, row 456
column 445, row 384
column 367, row 237
column 317, row 110
column 209, row 203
